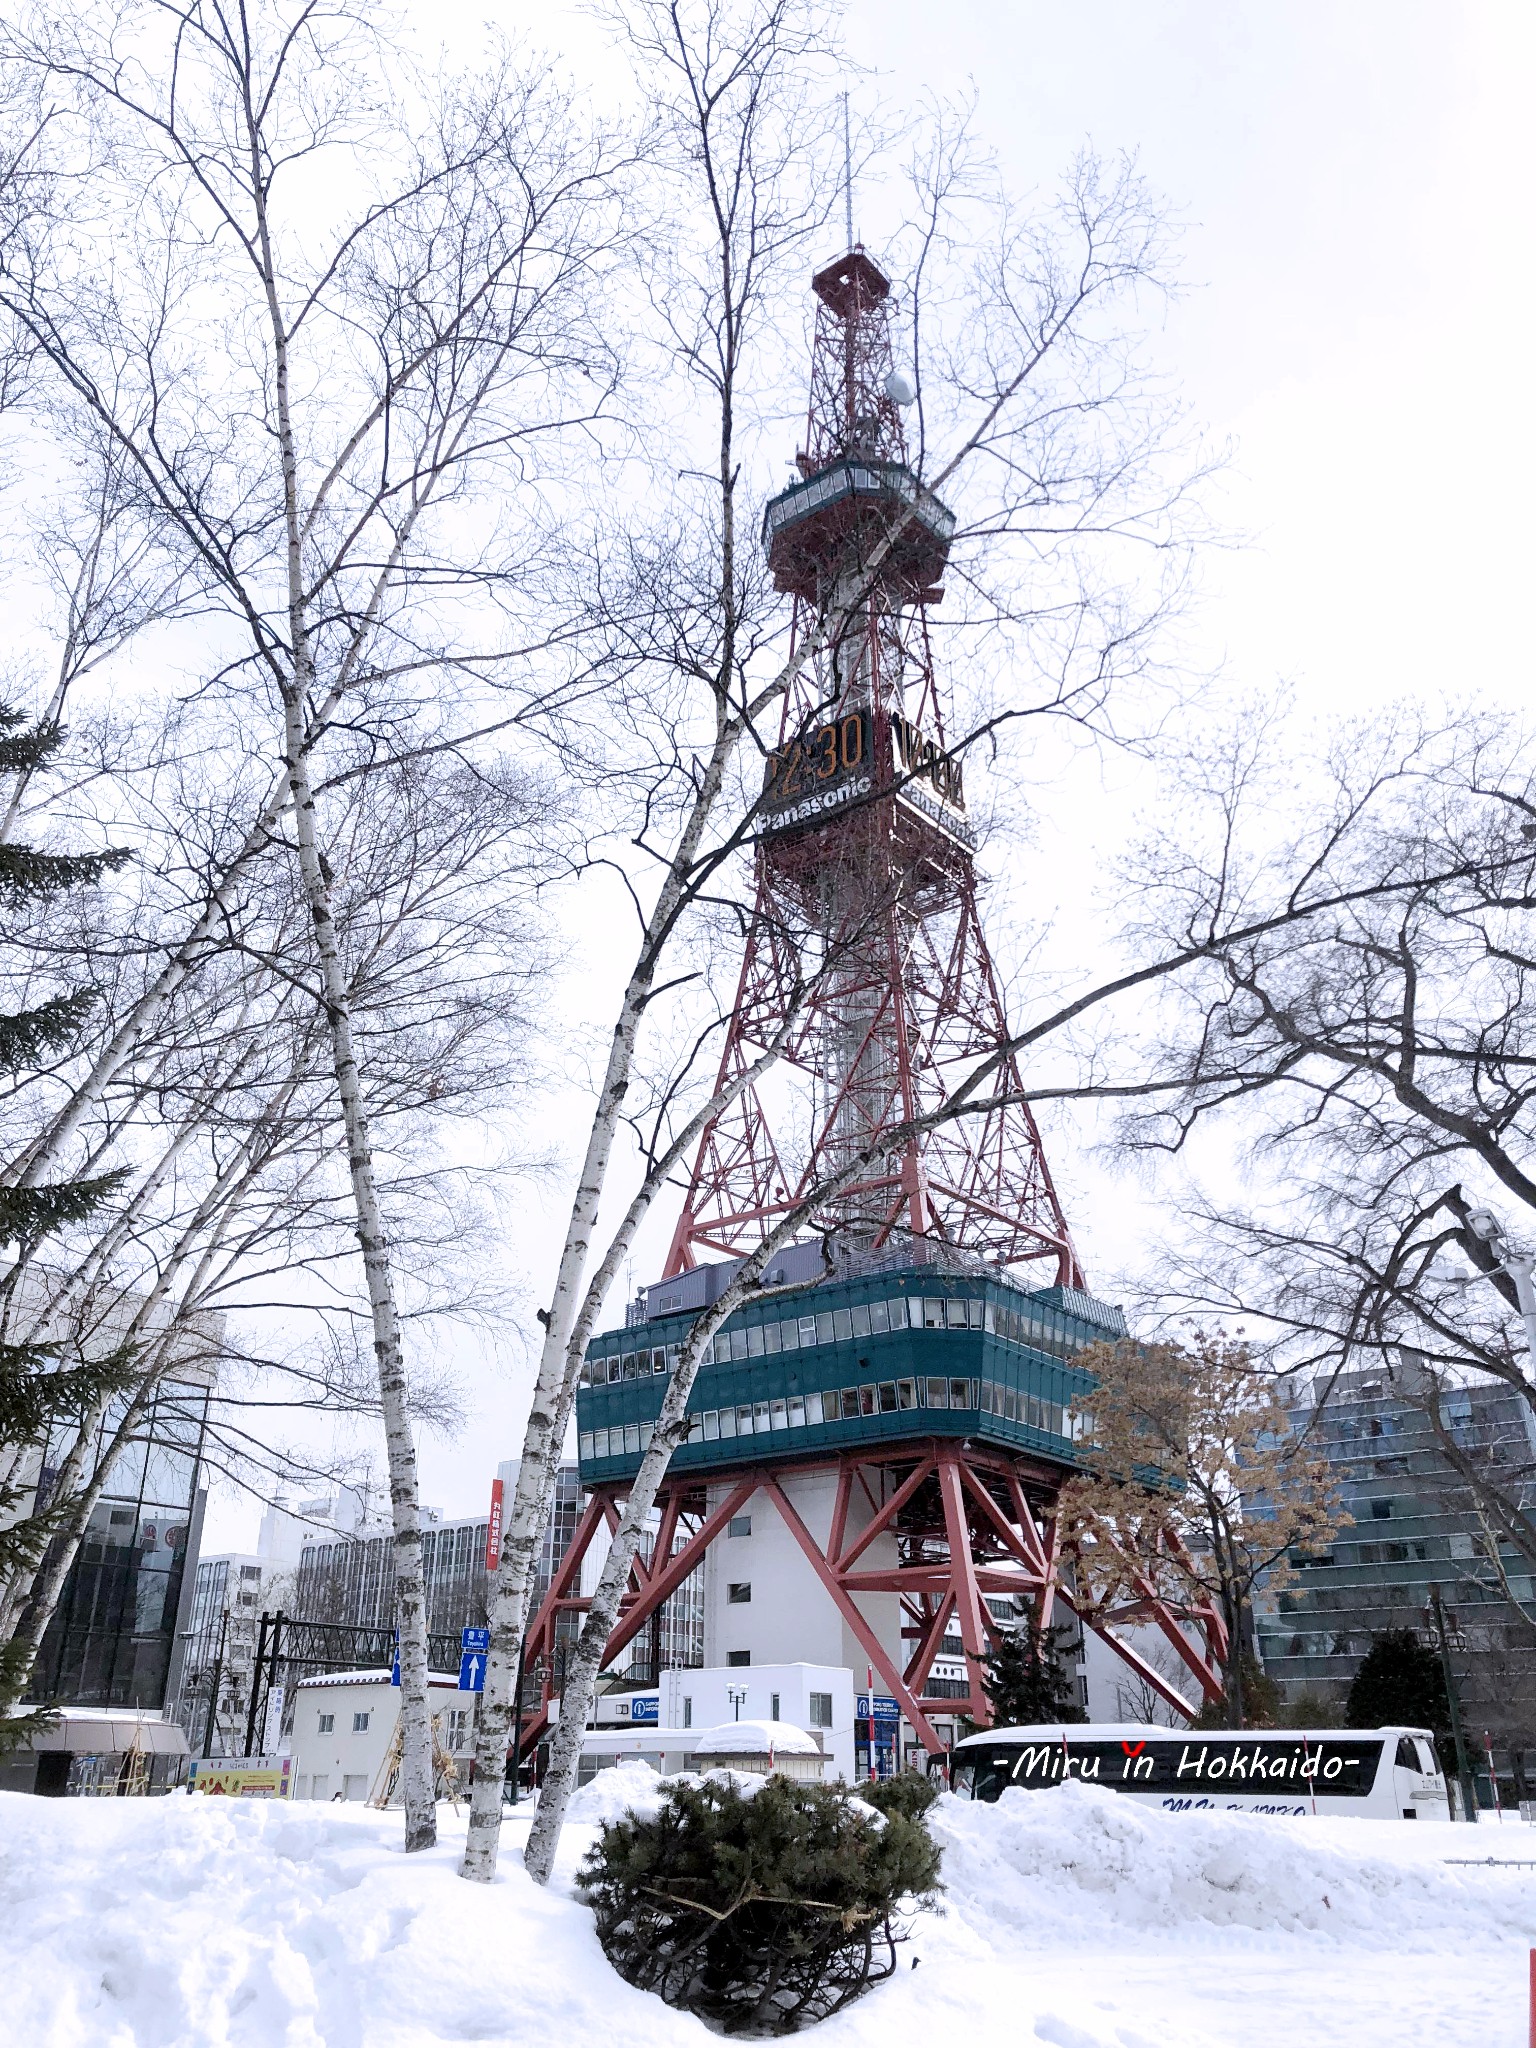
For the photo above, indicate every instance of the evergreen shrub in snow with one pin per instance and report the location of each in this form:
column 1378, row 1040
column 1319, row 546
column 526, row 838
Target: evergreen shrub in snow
column 761, row 1908
column 909, row 1792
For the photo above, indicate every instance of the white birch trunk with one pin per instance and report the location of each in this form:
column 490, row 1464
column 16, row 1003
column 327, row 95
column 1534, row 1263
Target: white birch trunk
column 554, row 1389
column 580, row 1686
column 416, row 1773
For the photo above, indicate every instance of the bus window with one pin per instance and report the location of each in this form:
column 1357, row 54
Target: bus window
column 1429, row 1762
column 1408, row 1755
column 981, row 1777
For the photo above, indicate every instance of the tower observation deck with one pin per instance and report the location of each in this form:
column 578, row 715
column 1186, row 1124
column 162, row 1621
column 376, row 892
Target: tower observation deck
column 891, row 1417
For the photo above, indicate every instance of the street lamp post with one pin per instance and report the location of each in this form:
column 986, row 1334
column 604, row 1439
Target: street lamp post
column 1453, row 1700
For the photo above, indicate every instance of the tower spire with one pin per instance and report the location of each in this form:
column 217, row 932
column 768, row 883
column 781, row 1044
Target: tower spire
column 847, row 176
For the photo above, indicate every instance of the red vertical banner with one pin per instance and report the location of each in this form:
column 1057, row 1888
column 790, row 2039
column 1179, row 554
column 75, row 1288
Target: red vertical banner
column 493, row 1531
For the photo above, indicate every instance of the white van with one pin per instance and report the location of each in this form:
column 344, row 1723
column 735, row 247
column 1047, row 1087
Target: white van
column 1361, row 1773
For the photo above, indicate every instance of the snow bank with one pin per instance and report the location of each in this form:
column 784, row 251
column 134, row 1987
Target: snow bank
column 629, row 1786
column 1064, row 1867
column 214, row 1923
column 1071, row 1919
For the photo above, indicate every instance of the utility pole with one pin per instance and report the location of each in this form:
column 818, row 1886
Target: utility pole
column 261, row 1653
column 1463, row 1764
column 218, row 1680
column 268, row 1649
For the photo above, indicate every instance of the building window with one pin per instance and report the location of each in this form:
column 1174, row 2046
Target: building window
column 735, row 1658
column 773, row 1706
column 821, row 1709
column 739, row 1525
column 327, row 1723
column 739, row 1594
column 687, row 1710
column 458, row 1727
column 1381, row 1510
column 359, row 1724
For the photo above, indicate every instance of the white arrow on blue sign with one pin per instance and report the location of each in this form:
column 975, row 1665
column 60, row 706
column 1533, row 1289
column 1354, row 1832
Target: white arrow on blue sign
column 472, row 1671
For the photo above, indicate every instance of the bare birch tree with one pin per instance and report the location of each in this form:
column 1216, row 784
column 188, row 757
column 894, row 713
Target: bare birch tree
column 225, row 1132
column 1376, row 1066
column 342, row 323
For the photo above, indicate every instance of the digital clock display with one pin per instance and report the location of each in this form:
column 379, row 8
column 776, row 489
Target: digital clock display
column 802, row 767
column 822, row 772
column 825, row 770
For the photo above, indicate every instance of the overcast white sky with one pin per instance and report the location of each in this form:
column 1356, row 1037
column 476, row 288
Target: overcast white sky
column 1357, row 184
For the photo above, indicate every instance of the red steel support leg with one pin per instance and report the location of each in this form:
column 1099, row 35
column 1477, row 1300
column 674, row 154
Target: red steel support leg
column 873, row 1648
column 967, row 1594
column 1141, row 1667
column 540, row 1637
column 671, row 1572
column 922, row 1659
column 1046, row 1609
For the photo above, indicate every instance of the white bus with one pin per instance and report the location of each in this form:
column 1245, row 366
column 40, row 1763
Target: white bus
column 1366, row 1773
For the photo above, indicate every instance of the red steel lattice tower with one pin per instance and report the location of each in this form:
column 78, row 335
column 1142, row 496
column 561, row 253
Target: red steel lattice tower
column 901, row 1417
column 865, row 954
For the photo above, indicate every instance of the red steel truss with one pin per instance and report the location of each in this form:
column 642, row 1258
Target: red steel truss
column 967, row 1521
column 865, row 960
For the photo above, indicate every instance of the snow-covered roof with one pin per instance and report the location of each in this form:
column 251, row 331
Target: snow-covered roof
column 107, row 1731
column 446, row 1679
column 755, row 1738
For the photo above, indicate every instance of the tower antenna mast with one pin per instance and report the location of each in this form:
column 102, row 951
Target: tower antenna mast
column 847, row 174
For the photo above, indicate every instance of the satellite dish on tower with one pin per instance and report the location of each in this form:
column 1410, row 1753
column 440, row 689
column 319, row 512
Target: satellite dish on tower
column 899, row 388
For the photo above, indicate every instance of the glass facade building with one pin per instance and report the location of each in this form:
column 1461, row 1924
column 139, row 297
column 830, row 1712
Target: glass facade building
column 113, row 1637
column 1414, row 1533
column 351, row 1579
column 896, row 1354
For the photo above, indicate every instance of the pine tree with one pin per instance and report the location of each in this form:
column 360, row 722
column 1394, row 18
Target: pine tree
column 37, row 1389
column 762, row 1911
column 1026, row 1678
column 1400, row 1681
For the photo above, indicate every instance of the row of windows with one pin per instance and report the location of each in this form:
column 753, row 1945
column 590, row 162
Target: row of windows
column 838, row 1404
column 458, row 1726
column 327, row 1724
column 843, row 1326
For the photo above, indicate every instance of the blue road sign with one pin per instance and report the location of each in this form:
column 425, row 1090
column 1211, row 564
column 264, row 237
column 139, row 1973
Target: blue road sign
column 886, row 1709
column 472, row 1671
column 394, row 1662
column 476, row 1641
column 643, row 1710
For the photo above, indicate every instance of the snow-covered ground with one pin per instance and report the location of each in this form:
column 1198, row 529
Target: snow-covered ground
column 1071, row 1918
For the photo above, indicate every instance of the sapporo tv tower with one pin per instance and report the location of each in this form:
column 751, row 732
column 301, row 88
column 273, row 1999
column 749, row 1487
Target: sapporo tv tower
column 879, row 1437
